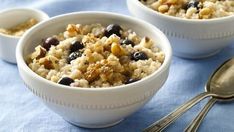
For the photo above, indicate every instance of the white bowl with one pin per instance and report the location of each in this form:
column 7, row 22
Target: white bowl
column 189, row 38
column 92, row 107
column 10, row 18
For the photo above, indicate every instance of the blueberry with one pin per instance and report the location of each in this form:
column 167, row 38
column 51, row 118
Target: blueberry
column 76, row 45
column 192, row 3
column 49, row 42
column 127, row 42
column 131, row 81
column 73, row 56
column 112, row 29
column 139, row 56
column 65, row 81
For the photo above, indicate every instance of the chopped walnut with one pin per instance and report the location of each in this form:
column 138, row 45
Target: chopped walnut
column 40, row 52
column 92, row 72
column 49, row 62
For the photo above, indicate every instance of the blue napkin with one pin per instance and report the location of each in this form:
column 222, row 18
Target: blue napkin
column 20, row 110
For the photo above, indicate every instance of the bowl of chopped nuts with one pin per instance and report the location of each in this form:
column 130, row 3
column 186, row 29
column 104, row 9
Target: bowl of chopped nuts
column 14, row 23
column 196, row 29
column 94, row 68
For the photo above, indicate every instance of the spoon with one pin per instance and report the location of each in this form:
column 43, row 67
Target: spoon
column 218, row 86
column 223, row 77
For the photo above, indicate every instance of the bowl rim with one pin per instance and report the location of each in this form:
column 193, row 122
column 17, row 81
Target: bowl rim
column 37, row 11
column 170, row 18
column 167, row 47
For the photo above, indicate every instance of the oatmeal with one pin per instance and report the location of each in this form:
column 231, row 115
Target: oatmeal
column 95, row 56
column 192, row 9
column 19, row 29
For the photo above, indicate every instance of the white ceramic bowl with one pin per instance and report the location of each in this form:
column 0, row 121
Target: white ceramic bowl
column 189, row 38
column 92, row 107
column 10, row 18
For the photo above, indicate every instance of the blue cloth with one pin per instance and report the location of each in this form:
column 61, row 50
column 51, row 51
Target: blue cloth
column 20, row 110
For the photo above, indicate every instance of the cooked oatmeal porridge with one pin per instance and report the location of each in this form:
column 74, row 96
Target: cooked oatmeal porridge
column 95, row 56
column 192, row 9
column 19, row 29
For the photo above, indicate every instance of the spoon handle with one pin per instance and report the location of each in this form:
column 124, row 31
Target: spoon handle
column 194, row 125
column 170, row 118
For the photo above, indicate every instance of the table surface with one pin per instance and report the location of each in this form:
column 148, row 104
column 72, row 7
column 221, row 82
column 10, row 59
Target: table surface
column 22, row 111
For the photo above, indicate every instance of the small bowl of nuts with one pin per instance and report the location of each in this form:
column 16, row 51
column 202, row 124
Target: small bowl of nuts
column 94, row 68
column 195, row 28
column 14, row 23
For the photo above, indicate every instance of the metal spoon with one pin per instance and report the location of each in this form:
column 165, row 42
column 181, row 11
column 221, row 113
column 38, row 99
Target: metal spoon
column 223, row 76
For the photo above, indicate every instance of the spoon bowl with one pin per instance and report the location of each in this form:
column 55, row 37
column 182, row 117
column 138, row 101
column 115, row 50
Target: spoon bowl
column 222, row 80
